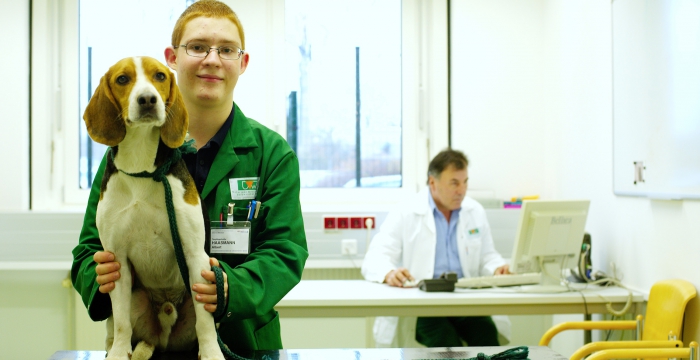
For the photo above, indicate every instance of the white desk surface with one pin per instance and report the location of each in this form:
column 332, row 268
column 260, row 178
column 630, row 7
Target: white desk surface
column 360, row 298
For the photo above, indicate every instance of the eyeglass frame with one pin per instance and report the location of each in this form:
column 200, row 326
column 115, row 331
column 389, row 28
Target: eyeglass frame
column 240, row 51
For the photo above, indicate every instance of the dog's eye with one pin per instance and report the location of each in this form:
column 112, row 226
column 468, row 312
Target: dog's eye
column 160, row 76
column 122, row 79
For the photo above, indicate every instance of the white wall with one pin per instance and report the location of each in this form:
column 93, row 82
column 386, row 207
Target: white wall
column 496, row 84
column 536, row 117
column 648, row 240
column 14, row 106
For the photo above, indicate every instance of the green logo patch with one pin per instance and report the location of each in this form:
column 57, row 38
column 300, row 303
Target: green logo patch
column 244, row 188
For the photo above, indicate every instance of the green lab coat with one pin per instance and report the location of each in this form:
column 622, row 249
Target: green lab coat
column 258, row 281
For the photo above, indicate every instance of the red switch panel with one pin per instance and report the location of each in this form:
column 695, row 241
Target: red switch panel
column 329, row 223
column 343, row 223
column 356, row 223
column 348, row 222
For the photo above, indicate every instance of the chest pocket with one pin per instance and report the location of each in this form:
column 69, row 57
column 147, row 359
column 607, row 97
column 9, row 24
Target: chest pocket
column 241, row 214
column 473, row 243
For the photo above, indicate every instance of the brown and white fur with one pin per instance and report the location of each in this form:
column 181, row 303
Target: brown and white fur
column 137, row 109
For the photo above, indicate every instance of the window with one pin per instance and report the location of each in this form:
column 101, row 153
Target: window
column 343, row 78
column 393, row 41
column 148, row 33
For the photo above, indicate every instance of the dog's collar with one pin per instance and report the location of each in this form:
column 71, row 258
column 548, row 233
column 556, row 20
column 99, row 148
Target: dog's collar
column 159, row 174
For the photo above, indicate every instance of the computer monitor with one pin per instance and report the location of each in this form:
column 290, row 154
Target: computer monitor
column 548, row 240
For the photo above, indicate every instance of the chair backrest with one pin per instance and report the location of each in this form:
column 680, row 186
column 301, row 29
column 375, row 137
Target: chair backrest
column 666, row 307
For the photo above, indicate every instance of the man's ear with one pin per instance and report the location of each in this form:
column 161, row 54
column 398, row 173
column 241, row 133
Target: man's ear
column 171, row 57
column 244, row 62
column 431, row 182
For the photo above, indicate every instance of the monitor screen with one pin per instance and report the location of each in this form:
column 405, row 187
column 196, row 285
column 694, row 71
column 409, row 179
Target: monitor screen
column 549, row 237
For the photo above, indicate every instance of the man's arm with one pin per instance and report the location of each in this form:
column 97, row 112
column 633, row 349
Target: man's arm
column 385, row 250
column 83, row 270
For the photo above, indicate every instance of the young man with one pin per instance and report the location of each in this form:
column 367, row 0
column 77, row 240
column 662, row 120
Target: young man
column 439, row 230
column 207, row 54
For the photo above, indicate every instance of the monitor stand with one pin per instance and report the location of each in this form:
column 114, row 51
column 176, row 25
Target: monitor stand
column 549, row 282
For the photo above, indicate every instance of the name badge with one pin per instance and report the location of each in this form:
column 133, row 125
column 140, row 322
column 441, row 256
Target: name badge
column 244, row 188
column 230, row 238
column 473, row 232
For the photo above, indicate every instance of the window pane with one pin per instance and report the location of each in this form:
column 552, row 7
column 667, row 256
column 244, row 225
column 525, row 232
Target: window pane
column 110, row 31
column 344, row 91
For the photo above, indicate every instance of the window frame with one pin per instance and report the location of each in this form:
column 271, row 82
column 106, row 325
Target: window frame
column 55, row 83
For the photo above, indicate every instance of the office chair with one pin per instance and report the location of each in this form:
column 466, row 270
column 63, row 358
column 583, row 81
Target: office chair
column 664, row 320
column 691, row 352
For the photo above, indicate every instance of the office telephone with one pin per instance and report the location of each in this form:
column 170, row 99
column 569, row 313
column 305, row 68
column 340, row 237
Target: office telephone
column 446, row 282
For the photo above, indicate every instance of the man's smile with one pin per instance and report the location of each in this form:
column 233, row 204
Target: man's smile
column 207, row 77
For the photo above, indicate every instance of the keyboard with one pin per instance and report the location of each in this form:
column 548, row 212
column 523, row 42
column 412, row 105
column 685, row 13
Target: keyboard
column 499, row 280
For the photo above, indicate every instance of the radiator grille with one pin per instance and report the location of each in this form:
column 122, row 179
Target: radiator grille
column 332, row 274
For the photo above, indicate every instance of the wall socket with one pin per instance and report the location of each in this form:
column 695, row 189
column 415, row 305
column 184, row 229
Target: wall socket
column 348, row 246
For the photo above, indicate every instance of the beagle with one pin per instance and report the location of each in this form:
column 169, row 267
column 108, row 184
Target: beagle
column 138, row 111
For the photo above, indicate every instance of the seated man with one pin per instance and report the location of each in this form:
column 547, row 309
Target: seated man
column 438, row 230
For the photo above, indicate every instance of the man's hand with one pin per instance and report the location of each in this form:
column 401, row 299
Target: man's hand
column 398, row 277
column 206, row 293
column 505, row 269
column 107, row 270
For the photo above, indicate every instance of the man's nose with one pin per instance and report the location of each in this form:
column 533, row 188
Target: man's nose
column 462, row 189
column 212, row 55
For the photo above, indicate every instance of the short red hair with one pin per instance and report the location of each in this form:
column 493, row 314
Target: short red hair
column 206, row 8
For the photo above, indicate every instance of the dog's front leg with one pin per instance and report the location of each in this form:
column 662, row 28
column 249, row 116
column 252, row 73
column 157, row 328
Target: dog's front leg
column 121, row 310
column 204, row 325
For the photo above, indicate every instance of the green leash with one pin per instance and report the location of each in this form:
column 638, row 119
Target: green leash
column 516, row 353
column 159, row 176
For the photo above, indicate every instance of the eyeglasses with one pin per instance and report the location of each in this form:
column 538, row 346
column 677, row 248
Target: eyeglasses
column 202, row 50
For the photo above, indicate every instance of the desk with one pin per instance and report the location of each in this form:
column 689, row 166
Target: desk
column 536, row 352
column 360, row 298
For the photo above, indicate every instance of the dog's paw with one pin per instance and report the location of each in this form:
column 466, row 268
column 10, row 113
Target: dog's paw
column 212, row 358
column 113, row 356
column 119, row 353
column 211, row 354
column 143, row 351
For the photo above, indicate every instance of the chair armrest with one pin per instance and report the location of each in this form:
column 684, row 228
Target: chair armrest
column 587, row 325
column 632, row 344
column 685, row 353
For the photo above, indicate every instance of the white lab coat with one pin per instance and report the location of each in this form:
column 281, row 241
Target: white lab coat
column 407, row 239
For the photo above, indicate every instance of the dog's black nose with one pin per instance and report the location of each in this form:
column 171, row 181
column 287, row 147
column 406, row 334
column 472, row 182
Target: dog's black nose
column 147, row 101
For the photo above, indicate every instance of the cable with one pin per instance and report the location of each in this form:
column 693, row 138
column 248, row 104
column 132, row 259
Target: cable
column 583, row 297
column 608, row 281
column 368, row 225
column 354, row 266
column 607, row 336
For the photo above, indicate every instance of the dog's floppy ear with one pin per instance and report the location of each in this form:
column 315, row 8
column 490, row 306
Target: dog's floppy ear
column 102, row 116
column 174, row 130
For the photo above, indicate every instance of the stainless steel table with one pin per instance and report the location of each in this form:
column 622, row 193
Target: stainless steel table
column 536, row 353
